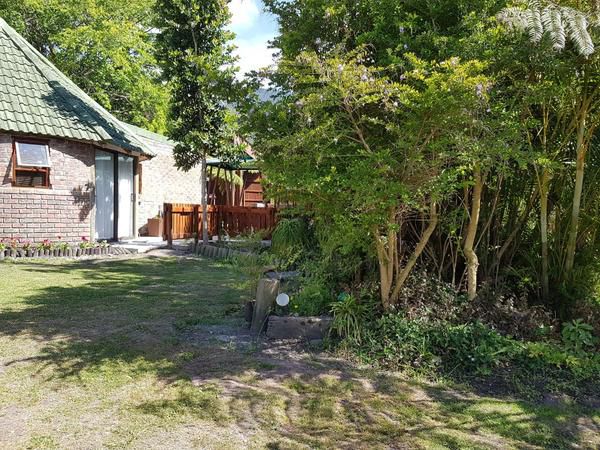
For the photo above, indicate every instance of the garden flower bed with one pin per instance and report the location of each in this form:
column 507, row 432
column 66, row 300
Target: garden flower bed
column 16, row 248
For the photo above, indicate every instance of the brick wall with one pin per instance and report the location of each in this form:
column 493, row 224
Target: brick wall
column 64, row 210
column 163, row 183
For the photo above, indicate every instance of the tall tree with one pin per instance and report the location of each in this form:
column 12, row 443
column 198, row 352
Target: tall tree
column 105, row 46
column 196, row 57
column 560, row 23
column 370, row 158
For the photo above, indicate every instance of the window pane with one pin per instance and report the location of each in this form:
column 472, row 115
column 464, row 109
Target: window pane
column 35, row 155
column 31, row 179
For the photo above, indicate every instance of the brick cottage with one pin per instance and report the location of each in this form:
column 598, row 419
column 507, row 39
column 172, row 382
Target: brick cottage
column 69, row 168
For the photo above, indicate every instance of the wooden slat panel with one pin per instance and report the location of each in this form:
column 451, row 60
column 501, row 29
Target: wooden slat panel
column 231, row 220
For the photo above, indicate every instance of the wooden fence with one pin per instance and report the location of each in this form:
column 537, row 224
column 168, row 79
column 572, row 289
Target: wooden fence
column 183, row 221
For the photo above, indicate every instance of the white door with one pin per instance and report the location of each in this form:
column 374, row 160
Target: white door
column 105, row 195
column 126, row 196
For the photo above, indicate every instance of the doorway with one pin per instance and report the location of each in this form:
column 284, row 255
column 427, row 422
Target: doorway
column 114, row 196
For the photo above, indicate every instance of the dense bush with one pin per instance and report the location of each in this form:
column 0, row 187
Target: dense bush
column 398, row 342
column 313, row 298
column 427, row 298
column 437, row 348
column 511, row 315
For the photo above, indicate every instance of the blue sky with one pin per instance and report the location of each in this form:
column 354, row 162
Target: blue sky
column 253, row 28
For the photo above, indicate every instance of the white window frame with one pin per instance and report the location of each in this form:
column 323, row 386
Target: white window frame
column 20, row 163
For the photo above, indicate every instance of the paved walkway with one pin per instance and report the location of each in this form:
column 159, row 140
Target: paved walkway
column 147, row 244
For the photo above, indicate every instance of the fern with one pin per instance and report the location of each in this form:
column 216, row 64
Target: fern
column 577, row 26
column 552, row 21
column 557, row 22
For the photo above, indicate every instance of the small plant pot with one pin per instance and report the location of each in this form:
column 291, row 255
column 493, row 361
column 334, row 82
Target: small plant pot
column 1, row 255
column 155, row 227
column 13, row 253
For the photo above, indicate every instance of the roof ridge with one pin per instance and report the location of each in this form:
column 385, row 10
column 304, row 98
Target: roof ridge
column 92, row 108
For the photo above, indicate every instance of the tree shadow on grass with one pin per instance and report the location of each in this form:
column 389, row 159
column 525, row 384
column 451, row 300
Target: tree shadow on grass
column 88, row 313
column 110, row 321
column 318, row 401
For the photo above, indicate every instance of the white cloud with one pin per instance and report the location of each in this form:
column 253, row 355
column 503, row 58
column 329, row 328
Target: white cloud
column 244, row 13
column 253, row 55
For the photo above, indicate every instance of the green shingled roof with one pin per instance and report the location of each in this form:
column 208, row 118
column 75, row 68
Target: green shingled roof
column 37, row 99
column 154, row 137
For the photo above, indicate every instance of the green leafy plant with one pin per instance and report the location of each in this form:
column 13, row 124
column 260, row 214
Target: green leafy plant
column 399, row 342
column 313, row 299
column 348, row 318
column 85, row 243
column 577, row 336
column 46, row 244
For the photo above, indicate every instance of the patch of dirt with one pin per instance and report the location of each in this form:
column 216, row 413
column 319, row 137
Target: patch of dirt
column 276, row 359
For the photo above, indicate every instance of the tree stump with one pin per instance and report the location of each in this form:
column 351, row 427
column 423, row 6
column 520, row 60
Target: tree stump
column 265, row 297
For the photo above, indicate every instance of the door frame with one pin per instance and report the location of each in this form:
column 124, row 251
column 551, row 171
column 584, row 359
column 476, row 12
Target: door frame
column 115, row 236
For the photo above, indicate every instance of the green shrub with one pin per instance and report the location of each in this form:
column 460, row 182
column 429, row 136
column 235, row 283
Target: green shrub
column 399, row 342
column 396, row 342
column 348, row 317
column 313, row 299
column 289, row 233
column 577, row 336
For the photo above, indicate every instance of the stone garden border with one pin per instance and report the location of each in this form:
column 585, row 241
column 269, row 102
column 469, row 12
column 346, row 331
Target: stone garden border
column 214, row 251
column 68, row 252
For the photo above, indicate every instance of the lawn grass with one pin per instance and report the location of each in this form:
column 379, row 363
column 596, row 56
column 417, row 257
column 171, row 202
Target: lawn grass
column 144, row 353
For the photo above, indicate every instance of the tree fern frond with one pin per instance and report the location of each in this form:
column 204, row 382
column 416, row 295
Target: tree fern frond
column 514, row 18
column 535, row 26
column 554, row 26
column 577, row 27
column 558, row 22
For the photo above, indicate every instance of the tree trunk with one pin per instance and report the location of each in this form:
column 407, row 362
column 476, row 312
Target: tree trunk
column 391, row 276
column 579, row 171
column 470, row 255
column 216, row 186
column 386, row 255
column 204, row 193
column 410, row 264
column 544, row 232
